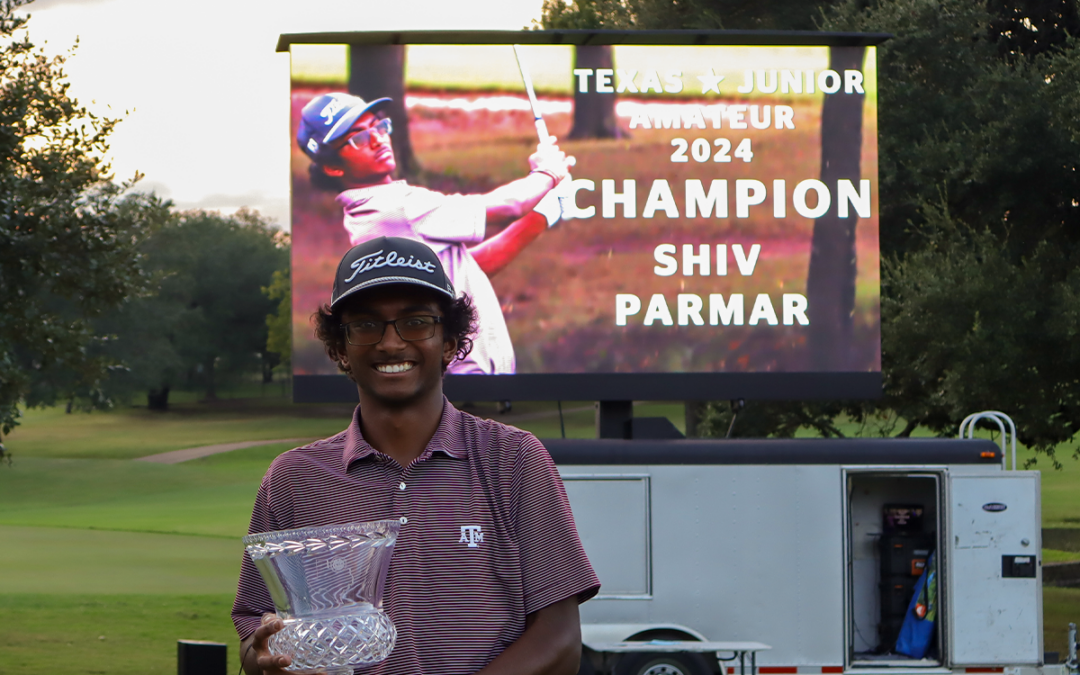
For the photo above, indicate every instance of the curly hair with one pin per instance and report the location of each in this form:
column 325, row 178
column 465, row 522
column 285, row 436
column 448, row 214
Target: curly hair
column 322, row 181
column 459, row 323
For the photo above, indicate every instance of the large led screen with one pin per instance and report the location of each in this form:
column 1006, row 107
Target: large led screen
column 720, row 220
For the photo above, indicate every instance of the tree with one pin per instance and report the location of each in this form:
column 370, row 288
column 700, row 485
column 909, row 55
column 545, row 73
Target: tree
column 684, row 14
column 217, row 267
column 980, row 232
column 279, row 323
column 586, row 15
column 136, row 335
column 964, row 335
column 594, row 113
column 377, row 71
column 830, row 284
column 993, row 134
column 979, row 229
column 1029, row 27
column 68, row 236
column 731, row 14
column 205, row 315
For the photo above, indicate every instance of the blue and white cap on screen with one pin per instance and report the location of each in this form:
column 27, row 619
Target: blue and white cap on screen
column 328, row 118
column 389, row 260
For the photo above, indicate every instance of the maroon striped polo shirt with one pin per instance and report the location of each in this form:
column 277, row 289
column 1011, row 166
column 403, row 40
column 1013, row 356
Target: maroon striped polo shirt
column 457, row 599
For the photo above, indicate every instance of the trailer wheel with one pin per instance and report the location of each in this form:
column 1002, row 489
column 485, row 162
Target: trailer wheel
column 681, row 663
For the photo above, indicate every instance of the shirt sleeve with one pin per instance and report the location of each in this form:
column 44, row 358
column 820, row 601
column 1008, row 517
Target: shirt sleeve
column 451, row 218
column 553, row 561
column 252, row 598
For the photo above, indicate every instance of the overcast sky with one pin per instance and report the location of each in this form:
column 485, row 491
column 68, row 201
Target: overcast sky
column 206, row 95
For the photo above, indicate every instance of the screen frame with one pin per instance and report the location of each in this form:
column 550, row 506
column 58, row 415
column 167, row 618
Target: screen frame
column 609, row 386
column 620, row 387
column 747, row 38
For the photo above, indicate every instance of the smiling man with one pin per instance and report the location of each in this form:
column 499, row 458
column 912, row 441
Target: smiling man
column 349, row 145
column 488, row 569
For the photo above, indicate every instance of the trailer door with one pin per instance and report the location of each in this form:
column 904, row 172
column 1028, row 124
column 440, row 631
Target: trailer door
column 994, row 569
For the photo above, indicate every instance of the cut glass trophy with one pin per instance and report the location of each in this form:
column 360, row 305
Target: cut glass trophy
column 327, row 586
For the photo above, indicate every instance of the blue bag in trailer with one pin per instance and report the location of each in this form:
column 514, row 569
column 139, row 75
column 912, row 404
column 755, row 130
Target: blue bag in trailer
column 917, row 632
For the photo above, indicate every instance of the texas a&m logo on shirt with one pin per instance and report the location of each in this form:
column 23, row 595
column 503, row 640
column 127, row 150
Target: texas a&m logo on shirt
column 471, row 535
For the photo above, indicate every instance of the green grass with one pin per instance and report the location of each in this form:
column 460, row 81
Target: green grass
column 1060, row 490
column 115, row 599
column 1052, row 556
column 201, row 497
column 1061, row 606
column 137, row 432
column 67, row 561
column 126, row 634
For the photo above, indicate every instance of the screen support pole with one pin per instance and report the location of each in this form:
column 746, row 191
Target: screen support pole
column 612, row 418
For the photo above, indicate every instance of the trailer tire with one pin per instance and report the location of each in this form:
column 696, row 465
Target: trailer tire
column 658, row 663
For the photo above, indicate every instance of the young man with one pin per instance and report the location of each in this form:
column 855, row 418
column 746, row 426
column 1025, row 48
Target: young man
column 488, row 569
column 349, row 145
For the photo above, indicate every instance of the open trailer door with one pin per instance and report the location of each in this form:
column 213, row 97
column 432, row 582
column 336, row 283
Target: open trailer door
column 994, row 569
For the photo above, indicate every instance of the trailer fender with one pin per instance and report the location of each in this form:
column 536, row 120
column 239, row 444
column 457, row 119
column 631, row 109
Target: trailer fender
column 628, row 632
column 599, row 633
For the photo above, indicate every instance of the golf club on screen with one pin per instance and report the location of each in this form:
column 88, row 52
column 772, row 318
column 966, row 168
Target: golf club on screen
column 538, row 119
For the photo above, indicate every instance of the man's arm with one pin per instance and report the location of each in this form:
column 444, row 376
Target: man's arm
column 510, row 202
column 556, row 574
column 496, row 252
column 550, row 645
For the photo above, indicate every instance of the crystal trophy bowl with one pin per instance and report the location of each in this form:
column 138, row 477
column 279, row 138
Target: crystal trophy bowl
column 327, row 586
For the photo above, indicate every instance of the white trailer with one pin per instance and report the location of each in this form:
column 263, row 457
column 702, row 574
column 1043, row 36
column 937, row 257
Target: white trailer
column 770, row 546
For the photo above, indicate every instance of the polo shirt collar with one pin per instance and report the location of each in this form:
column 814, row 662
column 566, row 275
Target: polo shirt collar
column 448, row 438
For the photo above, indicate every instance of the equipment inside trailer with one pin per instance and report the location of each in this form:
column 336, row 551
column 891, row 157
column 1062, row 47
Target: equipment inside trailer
column 893, row 530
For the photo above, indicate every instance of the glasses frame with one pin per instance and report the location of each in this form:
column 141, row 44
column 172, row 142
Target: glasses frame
column 392, row 322
column 362, row 138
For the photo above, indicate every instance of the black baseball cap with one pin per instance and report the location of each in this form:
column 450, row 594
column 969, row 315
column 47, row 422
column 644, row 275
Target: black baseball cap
column 389, row 260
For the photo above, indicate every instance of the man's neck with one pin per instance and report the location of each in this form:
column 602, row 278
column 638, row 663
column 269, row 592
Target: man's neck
column 401, row 432
column 370, row 181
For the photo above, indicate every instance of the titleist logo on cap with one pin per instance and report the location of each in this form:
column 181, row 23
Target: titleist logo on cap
column 376, row 260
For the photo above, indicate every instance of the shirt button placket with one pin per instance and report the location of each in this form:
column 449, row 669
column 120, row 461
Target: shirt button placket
column 399, row 499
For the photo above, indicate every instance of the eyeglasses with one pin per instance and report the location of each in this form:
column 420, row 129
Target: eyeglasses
column 363, row 138
column 367, row 332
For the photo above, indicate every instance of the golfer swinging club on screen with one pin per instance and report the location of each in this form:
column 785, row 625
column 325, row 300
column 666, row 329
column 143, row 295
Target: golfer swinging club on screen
column 349, row 145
